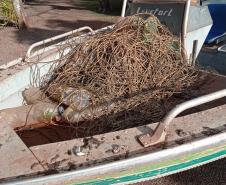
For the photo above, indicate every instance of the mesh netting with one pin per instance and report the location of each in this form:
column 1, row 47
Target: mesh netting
column 120, row 78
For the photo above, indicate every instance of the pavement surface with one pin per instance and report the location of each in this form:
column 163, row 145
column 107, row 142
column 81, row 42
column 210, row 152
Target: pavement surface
column 48, row 18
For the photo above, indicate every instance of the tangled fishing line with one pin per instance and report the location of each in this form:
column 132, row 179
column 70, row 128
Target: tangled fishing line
column 120, row 78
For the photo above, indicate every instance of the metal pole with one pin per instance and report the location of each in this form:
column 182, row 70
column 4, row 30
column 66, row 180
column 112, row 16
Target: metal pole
column 194, row 52
column 124, row 8
column 185, row 25
column 37, row 44
column 161, row 130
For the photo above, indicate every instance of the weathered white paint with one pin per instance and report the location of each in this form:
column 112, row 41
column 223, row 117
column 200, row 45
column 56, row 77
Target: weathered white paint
column 199, row 35
column 11, row 63
column 11, row 87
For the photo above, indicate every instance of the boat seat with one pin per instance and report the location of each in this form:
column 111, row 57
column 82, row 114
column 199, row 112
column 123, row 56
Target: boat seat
column 218, row 31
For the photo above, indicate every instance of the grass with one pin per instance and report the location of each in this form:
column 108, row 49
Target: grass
column 7, row 13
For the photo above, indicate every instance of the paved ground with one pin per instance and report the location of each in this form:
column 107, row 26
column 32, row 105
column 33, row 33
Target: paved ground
column 51, row 17
column 48, row 18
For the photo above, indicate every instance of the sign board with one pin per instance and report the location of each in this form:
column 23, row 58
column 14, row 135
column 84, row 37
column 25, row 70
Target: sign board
column 170, row 13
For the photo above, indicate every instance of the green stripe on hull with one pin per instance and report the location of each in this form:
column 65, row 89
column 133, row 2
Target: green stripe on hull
column 164, row 170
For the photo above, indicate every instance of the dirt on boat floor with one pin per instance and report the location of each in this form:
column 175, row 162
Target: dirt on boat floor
column 48, row 18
